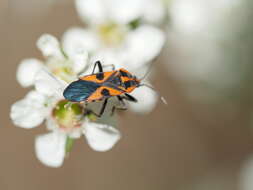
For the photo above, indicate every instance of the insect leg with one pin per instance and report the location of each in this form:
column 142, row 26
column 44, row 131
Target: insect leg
column 100, row 68
column 123, row 105
column 130, row 98
column 103, row 107
column 101, row 111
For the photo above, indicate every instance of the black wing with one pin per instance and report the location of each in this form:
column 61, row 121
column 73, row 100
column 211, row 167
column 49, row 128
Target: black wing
column 80, row 90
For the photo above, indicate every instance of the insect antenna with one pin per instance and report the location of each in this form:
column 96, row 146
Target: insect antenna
column 148, row 71
column 152, row 88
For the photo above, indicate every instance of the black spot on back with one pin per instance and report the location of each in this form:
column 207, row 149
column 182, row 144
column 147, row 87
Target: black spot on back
column 100, row 76
column 105, row 92
column 124, row 74
column 129, row 83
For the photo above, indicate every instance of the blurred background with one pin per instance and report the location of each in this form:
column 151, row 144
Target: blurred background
column 203, row 139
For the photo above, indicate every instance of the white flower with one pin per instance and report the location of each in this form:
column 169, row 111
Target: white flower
column 110, row 31
column 48, row 85
column 63, row 64
column 101, row 137
column 147, row 99
column 111, row 39
column 50, row 148
column 123, row 12
column 131, row 49
column 30, row 111
column 49, row 46
column 27, row 70
column 63, row 119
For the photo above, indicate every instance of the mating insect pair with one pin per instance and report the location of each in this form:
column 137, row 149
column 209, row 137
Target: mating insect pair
column 102, row 86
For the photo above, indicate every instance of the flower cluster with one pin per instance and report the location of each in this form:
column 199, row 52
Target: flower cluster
column 66, row 121
column 123, row 33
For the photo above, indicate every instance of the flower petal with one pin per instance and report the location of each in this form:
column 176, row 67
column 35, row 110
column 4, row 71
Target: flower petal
column 154, row 11
column 99, row 11
column 27, row 70
column 143, row 45
column 80, row 59
column 48, row 84
column 75, row 39
column 91, row 10
column 49, row 45
column 106, row 57
column 30, row 111
column 125, row 11
column 50, row 148
column 101, row 137
column 110, row 57
column 147, row 99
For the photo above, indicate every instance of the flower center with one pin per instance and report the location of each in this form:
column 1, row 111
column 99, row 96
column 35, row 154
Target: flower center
column 68, row 115
column 111, row 34
column 62, row 69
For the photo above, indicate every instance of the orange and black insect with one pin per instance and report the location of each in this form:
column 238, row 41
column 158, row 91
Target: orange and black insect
column 102, row 86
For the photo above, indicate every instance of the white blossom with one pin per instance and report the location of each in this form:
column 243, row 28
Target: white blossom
column 50, row 148
column 62, row 119
column 122, row 33
column 147, row 99
column 65, row 65
column 138, row 47
column 29, row 112
column 123, row 12
column 101, row 137
column 27, row 70
column 109, row 37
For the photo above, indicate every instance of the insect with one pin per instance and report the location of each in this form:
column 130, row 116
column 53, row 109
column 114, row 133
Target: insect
column 102, row 86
